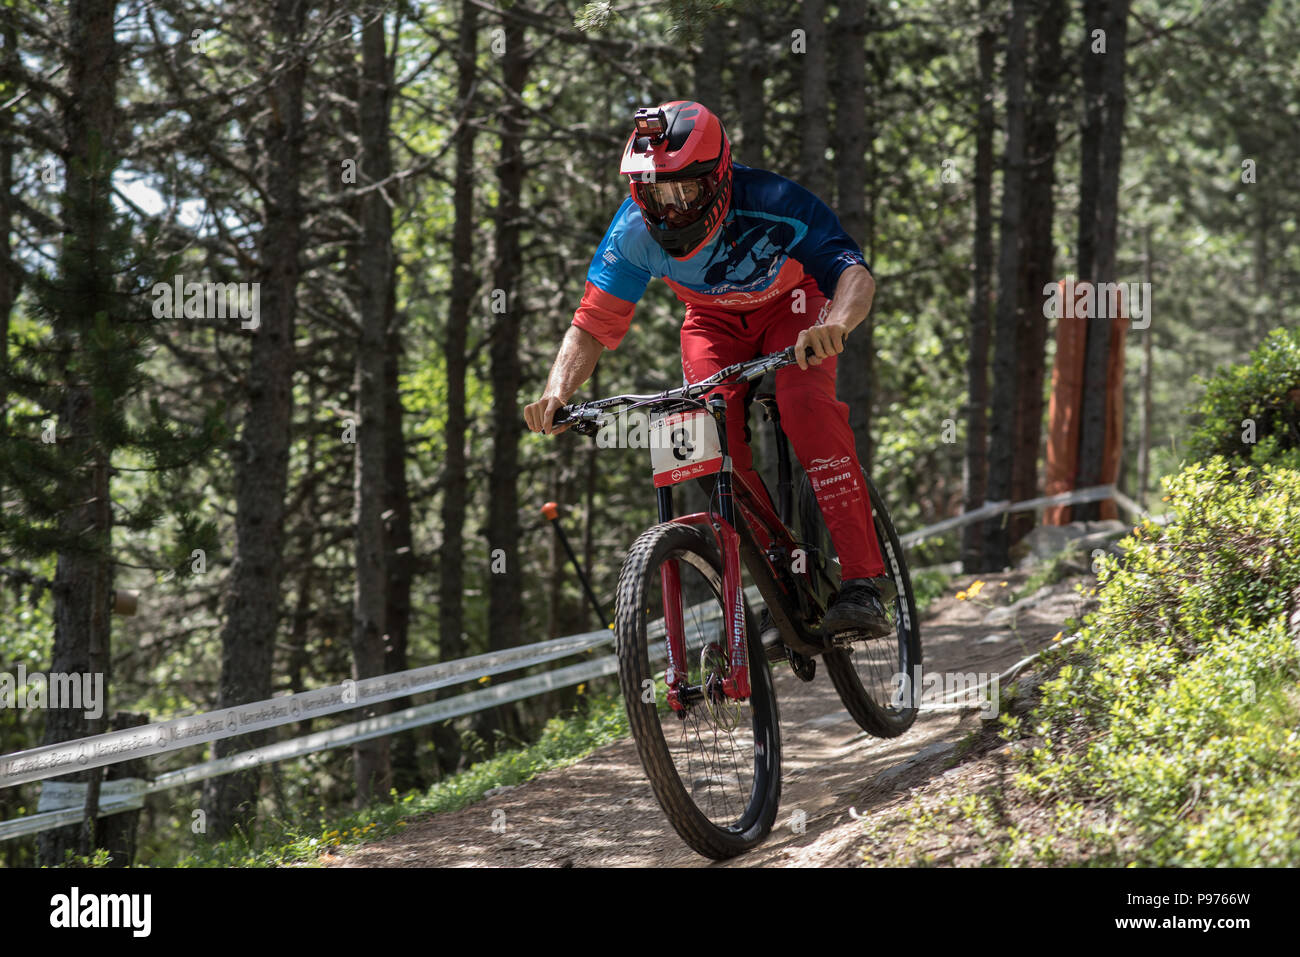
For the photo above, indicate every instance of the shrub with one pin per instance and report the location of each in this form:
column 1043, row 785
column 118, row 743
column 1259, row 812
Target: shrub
column 1178, row 706
column 1265, row 392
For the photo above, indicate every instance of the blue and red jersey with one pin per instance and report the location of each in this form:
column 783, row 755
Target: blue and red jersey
column 775, row 236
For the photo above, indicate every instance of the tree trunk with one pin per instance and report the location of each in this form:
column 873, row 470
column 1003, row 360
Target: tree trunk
column 375, row 261
column 455, row 480
column 1109, row 155
column 589, row 522
column 708, row 64
column 854, row 369
column 814, row 172
column 1144, row 407
column 397, row 548
column 1264, row 215
column 1037, row 254
column 1089, row 137
column 975, row 479
column 117, row 833
column 556, row 560
column 10, row 274
column 505, row 581
column 252, row 607
column 752, row 67
column 83, row 576
column 1005, row 354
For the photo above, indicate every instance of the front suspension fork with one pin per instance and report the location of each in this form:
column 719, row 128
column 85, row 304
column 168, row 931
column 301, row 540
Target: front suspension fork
column 735, row 684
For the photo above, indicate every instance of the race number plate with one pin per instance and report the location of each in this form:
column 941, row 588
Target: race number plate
column 684, row 446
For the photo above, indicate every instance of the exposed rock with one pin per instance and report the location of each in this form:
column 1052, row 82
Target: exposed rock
column 1007, row 613
column 935, row 750
column 1047, row 541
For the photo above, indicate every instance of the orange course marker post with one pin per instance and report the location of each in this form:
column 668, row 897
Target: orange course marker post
column 551, row 512
column 1065, row 408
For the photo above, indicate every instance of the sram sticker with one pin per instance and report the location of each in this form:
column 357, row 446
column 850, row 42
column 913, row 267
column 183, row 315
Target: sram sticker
column 684, row 446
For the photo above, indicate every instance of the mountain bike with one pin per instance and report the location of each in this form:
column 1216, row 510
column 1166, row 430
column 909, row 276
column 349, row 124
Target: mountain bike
column 695, row 677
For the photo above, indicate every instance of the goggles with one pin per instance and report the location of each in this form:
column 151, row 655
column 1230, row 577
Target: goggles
column 687, row 196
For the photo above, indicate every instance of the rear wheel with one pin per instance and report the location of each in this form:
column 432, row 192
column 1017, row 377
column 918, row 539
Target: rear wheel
column 715, row 766
column 867, row 674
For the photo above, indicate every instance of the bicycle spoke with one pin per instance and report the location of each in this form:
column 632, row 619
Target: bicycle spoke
column 714, row 761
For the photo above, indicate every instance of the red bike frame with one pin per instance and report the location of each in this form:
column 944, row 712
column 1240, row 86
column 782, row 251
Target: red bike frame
column 767, row 528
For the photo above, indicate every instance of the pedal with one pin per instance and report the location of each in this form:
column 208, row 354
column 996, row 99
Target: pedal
column 854, row 635
column 769, row 636
column 804, row 668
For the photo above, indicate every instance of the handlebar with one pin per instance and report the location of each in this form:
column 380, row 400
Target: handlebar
column 586, row 417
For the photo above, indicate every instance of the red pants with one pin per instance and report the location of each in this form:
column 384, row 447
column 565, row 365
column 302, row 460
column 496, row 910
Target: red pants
column 816, row 422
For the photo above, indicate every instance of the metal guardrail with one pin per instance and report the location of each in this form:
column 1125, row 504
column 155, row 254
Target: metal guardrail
column 164, row 737
column 1097, row 493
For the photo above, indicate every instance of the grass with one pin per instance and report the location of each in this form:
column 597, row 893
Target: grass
column 1056, row 569
column 929, row 584
column 565, row 740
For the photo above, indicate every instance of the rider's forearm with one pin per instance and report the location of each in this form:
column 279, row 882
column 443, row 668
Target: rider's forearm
column 853, row 294
column 574, row 363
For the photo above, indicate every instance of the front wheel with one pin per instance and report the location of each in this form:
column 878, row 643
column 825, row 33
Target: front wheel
column 875, row 677
column 715, row 765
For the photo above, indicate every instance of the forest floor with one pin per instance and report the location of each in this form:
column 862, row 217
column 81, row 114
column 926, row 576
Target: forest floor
column 836, row 779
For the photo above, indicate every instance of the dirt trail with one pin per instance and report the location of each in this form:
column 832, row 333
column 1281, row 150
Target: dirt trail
column 601, row 811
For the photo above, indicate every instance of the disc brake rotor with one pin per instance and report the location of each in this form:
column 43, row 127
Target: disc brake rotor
column 725, row 712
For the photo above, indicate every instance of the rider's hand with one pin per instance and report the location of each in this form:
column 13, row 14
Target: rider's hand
column 825, row 340
column 539, row 415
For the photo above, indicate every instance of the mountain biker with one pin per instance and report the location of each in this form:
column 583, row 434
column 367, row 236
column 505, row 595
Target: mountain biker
column 758, row 260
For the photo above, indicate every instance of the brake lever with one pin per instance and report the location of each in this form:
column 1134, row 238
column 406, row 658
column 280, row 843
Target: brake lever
column 580, row 424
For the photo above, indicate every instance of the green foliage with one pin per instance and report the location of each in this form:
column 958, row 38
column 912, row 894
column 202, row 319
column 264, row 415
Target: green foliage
column 100, row 859
column 927, row 585
column 1178, row 704
column 1252, row 411
column 686, row 18
column 1052, row 571
column 1165, row 736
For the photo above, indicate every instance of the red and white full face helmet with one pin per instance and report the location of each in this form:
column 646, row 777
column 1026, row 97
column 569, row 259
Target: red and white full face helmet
column 678, row 162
